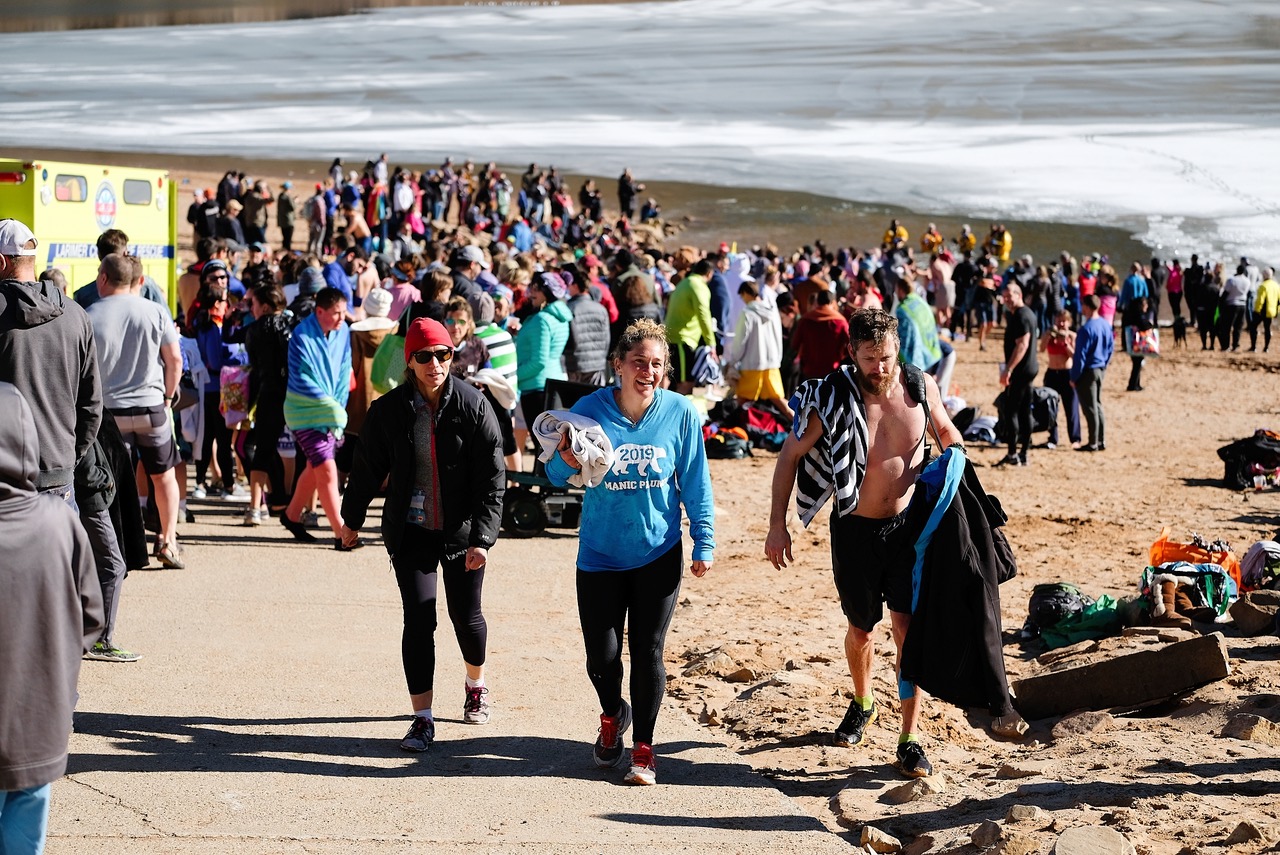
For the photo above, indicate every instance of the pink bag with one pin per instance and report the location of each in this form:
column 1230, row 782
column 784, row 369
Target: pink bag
column 234, row 400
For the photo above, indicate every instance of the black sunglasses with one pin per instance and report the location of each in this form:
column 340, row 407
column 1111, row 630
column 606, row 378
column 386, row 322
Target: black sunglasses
column 422, row 357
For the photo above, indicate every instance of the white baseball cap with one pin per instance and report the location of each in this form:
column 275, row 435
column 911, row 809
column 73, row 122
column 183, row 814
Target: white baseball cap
column 14, row 237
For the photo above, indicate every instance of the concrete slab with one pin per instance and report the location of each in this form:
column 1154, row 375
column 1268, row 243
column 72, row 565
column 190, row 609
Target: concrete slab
column 266, row 712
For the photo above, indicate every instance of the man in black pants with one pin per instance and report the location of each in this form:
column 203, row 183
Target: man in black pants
column 1020, row 333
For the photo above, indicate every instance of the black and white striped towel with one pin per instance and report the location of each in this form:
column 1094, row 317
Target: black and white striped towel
column 837, row 463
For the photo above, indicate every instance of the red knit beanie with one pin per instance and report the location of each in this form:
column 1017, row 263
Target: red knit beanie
column 425, row 333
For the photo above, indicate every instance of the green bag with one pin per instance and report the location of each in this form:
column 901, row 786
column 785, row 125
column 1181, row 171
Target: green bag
column 387, row 371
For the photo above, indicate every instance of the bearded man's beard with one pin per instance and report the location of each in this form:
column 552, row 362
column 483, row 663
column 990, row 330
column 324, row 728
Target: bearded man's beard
column 879, row 388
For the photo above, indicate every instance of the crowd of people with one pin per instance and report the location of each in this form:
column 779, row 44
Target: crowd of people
column 408, row 348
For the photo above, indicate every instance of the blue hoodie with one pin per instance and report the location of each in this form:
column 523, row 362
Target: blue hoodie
column 633, row 516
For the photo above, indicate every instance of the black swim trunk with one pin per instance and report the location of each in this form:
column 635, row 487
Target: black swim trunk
column 872, row 560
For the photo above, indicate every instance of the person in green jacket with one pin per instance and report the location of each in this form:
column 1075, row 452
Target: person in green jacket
column 540, row 344
column 689, row 324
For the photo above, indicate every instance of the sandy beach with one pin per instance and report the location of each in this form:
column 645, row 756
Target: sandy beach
column 1162, row 775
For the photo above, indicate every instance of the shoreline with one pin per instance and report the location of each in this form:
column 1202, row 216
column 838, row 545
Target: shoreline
column 73, row 15
column 707, row 213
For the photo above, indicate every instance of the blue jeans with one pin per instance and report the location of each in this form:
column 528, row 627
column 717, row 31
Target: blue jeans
column 24, row 820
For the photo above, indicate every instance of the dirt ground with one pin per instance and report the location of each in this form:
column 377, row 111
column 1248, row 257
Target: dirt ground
column 1162, row 775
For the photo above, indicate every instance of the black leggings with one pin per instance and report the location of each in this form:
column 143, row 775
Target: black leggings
column 416, row 560
column 267, row 428
column 604, row 599
column 215, row 428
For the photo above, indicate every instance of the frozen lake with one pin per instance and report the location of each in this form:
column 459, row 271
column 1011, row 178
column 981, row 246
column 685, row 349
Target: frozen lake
column 1159, row 117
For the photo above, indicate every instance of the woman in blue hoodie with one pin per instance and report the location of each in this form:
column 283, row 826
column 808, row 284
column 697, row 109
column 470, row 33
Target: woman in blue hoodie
column 630, row 556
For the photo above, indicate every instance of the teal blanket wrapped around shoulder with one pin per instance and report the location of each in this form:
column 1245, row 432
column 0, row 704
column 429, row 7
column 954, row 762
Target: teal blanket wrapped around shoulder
column 319, row 378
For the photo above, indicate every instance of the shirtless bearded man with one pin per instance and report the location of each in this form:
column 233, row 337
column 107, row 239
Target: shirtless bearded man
column 863, row 416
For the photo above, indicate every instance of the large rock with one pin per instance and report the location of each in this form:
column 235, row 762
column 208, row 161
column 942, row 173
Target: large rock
column 1255, row 612
column 1124, row 681
column 1095, row 840
column 987, row 834
column 1024, row 813
column 1244, row 833
column 914, row 790
column 1252, row 728
column 1082, row 723
column 879, row 841
column 920, row 845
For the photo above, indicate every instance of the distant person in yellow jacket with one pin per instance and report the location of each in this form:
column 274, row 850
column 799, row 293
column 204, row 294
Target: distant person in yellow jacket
column 931, row 241
column 999, row 243
column 1265, row 307
column 967, row 241
column 895, row 237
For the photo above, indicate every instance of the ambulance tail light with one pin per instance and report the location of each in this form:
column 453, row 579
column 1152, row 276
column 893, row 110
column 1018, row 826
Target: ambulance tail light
column 13, row 177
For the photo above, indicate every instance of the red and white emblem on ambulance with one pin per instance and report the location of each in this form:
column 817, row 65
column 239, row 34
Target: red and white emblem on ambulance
column 104, row 206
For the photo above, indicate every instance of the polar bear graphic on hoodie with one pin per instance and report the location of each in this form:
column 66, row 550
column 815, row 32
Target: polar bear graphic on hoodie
column 644, row 457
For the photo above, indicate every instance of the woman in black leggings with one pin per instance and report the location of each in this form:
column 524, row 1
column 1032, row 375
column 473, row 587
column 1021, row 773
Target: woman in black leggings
column 437, row 441
column 208, row 311
column 629, row 544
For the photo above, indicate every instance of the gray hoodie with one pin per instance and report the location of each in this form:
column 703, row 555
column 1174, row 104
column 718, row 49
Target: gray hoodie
column 50, row 609
column 47, row 351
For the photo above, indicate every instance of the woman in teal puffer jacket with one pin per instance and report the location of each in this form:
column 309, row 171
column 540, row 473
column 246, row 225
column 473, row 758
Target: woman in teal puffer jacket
column 541, row 342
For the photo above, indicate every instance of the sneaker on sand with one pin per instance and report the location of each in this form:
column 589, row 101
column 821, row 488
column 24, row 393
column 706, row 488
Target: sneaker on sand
column 475, row 709
column 309, row 518
column 235, row 493
column 252, row 516
column 200, row 492
column 170, row 557
column 912, row 762
column 853, row 730
column 644, row 770
column 101, row 652
column 420, row 736
column 607, row 751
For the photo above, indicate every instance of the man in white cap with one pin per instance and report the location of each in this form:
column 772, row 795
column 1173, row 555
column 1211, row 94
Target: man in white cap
column 47, row 350
column 465, row 266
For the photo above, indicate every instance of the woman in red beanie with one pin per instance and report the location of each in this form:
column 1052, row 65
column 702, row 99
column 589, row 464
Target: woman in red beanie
column 435, row 436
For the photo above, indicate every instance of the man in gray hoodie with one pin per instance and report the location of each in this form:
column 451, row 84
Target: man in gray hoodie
column 47, row 351
column 50, row 614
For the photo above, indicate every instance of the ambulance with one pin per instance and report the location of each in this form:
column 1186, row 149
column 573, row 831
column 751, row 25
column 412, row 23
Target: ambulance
column 68, row 205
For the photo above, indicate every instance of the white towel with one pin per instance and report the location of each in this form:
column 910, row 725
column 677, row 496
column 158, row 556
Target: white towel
column 503, row 392
column 587, row 440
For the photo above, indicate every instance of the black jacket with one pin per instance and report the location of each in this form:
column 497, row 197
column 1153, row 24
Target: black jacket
column 473, row 476
column 953, row 649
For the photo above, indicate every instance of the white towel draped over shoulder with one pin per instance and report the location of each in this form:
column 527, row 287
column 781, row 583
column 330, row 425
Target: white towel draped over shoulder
column 587, row 440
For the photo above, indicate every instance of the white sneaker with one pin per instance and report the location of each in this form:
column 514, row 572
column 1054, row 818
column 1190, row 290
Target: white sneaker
column 236, row 494
column 475, row 707
column 199, row 492
column 253, row 516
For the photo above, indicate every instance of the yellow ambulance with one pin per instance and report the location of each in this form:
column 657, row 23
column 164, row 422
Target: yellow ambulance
column 68, row 205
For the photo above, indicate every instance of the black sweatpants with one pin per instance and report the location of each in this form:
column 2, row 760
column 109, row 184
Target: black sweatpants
column 605, row 598
column 416, row 562
column 1018, row 408
column 215, row 428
